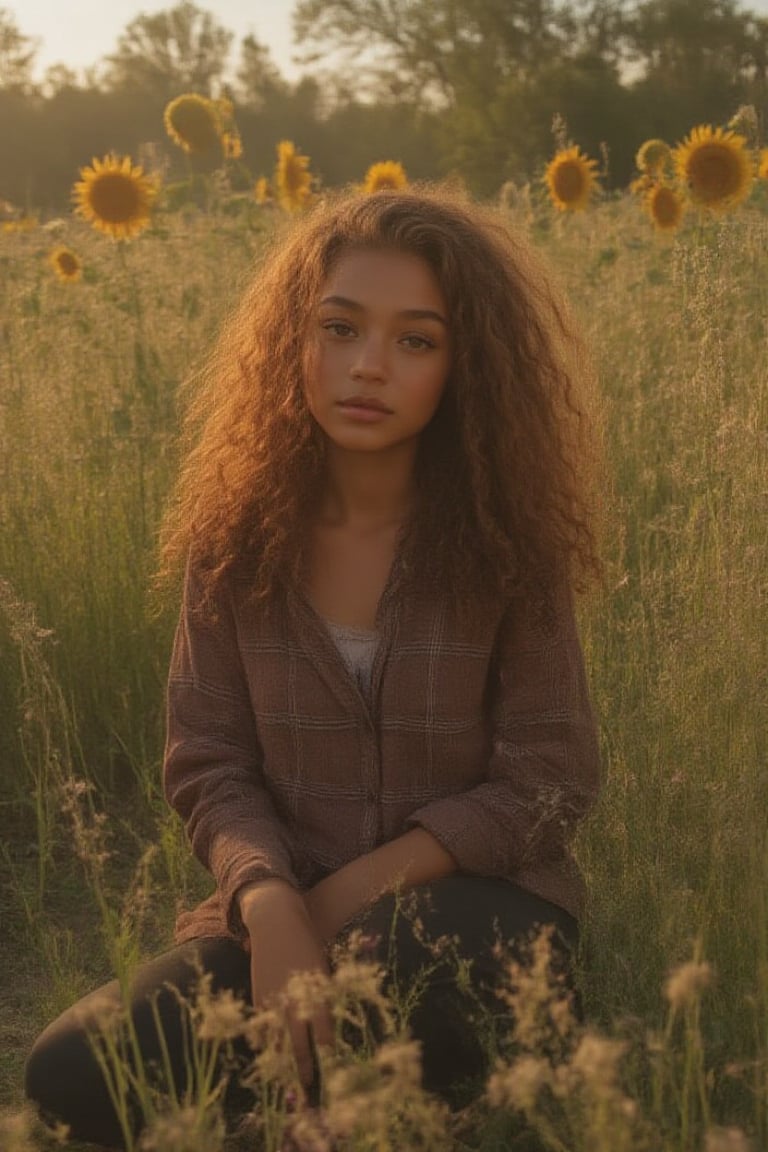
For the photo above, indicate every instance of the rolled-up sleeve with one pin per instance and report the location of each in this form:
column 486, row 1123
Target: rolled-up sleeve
column 543, row 775
column 213, row 765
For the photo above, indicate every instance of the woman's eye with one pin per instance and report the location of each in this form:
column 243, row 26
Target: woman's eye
column 416, row 343
column 338, row 328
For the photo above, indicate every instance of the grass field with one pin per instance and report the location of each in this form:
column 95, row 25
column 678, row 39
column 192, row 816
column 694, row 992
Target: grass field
column 676, row 856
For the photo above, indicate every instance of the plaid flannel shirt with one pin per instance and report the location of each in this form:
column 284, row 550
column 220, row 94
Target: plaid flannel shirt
column 481, row 734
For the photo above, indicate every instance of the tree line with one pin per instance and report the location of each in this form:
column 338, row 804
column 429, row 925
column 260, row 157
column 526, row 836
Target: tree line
column 445, row 86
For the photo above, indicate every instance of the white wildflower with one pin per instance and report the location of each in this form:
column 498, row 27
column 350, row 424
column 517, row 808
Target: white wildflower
column 685, row 984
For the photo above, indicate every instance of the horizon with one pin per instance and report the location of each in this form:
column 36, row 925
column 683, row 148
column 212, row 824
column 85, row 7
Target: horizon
column 92, row 29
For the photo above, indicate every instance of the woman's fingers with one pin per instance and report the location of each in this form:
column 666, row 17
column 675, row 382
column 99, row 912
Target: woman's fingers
column 323, row 1031
column 310, row 1038
column 302, row 1049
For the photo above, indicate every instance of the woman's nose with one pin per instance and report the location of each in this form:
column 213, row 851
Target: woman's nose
column 370, row 362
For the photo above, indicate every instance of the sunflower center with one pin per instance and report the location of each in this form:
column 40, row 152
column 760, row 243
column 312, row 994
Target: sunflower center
column 67, row 263
column 115, row 197
column 569, row 181
column 665, row 207
column 195, row 127
column 714, row 172
column 294, row 175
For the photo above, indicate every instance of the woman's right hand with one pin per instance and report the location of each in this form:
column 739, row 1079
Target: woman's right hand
column 283, row 941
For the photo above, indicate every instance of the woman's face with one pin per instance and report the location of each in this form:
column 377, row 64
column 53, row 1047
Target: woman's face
column 379, row 351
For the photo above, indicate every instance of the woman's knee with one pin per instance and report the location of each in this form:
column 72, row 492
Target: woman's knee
column 63, row 1078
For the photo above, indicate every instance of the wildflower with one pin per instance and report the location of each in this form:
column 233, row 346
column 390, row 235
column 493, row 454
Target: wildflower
column 518, row 1084
column 115, row 196
column 306, row 992
column 570, row 178
column 726, row 1140
column 596, row 1061
column 231, row 145
column 22, row 1132
column 358, row 979
column 219, row 1016
column 399, row 1061
column 535, row 993
column 193, row 123
column 387, row 174
column 716, row 167
column 88, row 825
column 665, row 207
column 685, row 984
column 653, row 157
column 266, row 1034
column 292, row 178
column 66, row 264
column 263, row 191
column 307, row 1131
column 184, row 1129
column 366, row 1095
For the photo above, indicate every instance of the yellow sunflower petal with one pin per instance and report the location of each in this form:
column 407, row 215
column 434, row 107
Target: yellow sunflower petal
column 192, row 122
column 66, row 264
column 665, row 206
column 570, row 179
column 293, row 179
column 263, row 191
column 653, row 156
column 115, row 197
column 716, row 167
column 387, row 174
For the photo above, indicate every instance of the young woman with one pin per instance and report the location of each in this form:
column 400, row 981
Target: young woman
column 376, row 683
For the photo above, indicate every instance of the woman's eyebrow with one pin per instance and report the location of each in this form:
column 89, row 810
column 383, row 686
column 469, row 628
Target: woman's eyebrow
column 406, row 313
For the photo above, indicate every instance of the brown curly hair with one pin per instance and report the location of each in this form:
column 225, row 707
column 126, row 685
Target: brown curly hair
column 504, row 500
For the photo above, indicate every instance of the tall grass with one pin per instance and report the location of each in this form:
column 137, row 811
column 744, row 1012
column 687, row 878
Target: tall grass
column 677, row 641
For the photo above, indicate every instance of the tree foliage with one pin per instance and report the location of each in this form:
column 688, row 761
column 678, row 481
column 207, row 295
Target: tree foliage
column 444, row 86
column 181, row 49
column 17, row 55
column 259, row 80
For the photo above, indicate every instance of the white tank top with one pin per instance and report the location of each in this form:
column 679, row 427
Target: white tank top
column 358, row 650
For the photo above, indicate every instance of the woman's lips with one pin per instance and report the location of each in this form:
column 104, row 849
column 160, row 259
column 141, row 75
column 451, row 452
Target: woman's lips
column 364, row 408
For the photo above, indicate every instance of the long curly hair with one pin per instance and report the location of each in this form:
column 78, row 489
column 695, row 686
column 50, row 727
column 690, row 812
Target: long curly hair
column 504, row 501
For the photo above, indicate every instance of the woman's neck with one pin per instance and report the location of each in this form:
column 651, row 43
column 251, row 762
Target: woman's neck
column 367, row 491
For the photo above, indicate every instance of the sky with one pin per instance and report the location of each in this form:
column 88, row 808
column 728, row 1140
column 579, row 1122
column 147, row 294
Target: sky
column 81, row 32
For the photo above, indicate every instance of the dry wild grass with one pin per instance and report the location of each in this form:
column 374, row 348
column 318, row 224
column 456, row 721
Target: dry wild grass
column 672, row 1053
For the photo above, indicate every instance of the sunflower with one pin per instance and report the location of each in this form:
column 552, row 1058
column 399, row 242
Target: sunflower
column 66, row 264
column 570, row 178
column 665, row 206
column 263, row 191
column 716, row 167
column 23, row 224
column 642, row 184
column 193, row 123
column 654, row 156
column 232, row 145
column 115, row 196
column 387, row 174
column 762, row 164
column 292, row 178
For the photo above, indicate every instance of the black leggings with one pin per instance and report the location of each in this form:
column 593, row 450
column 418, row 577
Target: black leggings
column 63, row 1077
